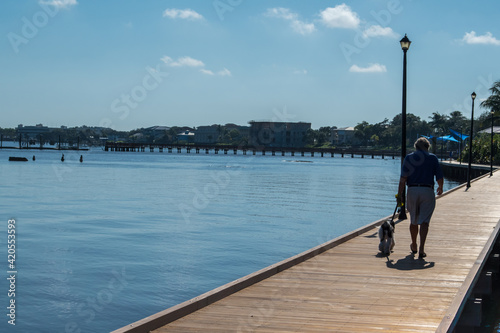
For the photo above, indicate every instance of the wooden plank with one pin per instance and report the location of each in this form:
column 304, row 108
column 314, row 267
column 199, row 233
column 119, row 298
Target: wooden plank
column 450, row 319
column 345, row 286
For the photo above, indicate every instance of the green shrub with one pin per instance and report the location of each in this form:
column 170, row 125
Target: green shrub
column 481, row 150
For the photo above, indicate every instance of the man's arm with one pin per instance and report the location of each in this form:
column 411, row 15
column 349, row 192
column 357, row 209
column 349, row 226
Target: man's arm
column 401, row 188
column 439, row 190
column 439, row 178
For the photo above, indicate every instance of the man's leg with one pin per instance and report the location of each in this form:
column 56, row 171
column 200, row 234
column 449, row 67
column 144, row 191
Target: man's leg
column 427, row 205
column 413, row 234
column 424, row 229
column 412, row 204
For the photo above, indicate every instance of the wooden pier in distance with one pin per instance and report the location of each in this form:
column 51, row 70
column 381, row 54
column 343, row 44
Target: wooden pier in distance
column 225, row 149
column 345, row 285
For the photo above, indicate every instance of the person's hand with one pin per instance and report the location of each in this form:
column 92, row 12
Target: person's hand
column 398, row 199
column 439, row 190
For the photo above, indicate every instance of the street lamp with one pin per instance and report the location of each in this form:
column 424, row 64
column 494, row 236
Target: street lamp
column 473, row 95
column 491, row 145
column 442, row 143
column 460, row 146
column 405, row 45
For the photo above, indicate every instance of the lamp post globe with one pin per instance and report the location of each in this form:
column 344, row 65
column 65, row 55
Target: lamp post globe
column 405, row 43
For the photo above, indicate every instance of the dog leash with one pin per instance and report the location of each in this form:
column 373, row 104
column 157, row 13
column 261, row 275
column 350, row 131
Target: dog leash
column 394, row 214
column 395, row 209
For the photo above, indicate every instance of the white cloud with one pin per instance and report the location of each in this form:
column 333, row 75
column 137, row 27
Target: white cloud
column 166, row 59
column 373, row 68
column 302, row 27
column 224, row 72
column 472, row 38
column 297, row 25
column 60, row 3
column 300, row 72
column 340, row 16
column 186, row 14
column 183, row 61
column 378, row 31
column 283, row 13
column 207, row 72
column 191, row 62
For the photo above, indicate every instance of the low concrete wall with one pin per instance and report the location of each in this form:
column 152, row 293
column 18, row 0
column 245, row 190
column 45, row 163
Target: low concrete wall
column 454, row 170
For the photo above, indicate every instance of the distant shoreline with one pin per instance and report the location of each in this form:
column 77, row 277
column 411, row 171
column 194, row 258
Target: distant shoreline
column 44, row 148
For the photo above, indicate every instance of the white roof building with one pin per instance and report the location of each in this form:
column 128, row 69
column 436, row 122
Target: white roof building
column 496, row 130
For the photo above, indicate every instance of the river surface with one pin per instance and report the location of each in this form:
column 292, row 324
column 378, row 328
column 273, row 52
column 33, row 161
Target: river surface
column 120, row 236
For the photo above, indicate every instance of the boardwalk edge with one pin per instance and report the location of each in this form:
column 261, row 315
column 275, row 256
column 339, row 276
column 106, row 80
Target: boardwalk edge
column 171, row 314
column 176, row 312
column 450, row 320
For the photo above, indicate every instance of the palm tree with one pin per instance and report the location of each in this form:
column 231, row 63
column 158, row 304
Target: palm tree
column 439, row 121
column 457, row 121
column 493, row 102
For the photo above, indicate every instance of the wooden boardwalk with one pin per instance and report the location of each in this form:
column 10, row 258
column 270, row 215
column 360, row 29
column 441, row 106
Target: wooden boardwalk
column 349, row 287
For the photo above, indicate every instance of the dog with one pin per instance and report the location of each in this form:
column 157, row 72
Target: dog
column 386, row 236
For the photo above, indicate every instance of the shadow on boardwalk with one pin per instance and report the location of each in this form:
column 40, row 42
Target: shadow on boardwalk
column 409, row 263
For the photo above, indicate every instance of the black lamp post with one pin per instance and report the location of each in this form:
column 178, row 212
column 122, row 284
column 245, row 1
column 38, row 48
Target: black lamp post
column 473, row 95
column 491, row 145
column 460, row 145
column 405, row 45
column 442, row 144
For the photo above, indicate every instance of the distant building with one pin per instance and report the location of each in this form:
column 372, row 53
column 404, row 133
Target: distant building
column 278, row 134
column 32, row 131
column 496, row 130
column 214, row 133
column 207, row 134
column 343, row 136
column 186, row 136
column 156, row 132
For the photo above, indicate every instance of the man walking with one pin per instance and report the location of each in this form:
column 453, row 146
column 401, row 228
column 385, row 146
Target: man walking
column 418, row 172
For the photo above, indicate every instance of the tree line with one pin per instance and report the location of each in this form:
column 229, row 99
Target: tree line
column 387, row 133
column 383, row 135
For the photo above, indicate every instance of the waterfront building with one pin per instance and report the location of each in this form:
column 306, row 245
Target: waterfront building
column 186, row 136
column 496, row 130
column 32, row 131
column 278, row 134
column 343, row 136
column 207, row 134
column 156, row 131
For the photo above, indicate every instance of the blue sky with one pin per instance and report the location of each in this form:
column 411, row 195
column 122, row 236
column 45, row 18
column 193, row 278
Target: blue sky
column 131, row 64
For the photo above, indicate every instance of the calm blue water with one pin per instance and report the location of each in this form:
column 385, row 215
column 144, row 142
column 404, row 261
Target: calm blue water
column 121, row 236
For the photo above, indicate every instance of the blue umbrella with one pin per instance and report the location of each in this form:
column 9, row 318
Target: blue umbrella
column 447, row 138
column 459, row 135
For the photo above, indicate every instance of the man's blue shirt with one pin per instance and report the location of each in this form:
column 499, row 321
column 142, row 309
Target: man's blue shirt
column 420, row 168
